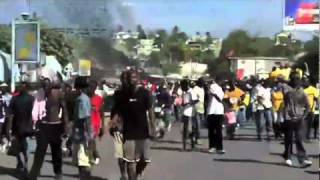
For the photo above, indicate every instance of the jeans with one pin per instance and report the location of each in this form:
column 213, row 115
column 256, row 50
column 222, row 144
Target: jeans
column 263, row 120
column 167, row 117
column 309, row 124
column 294, row 128
column 196, row 127
column 49, row 134
column 188, row 131
column 316, row 126
column 241, row 115
column 215, row 131
column 278, row 118
column 202, row 120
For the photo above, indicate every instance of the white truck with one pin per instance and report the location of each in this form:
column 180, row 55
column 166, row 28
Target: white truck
column 256, row 66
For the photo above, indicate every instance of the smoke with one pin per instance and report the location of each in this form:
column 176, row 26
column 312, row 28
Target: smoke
column 73, row 13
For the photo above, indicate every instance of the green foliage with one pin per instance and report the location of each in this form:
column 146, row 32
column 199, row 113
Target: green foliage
column 312, row 45
column 170, row 68
column 5, row 38
column 131, row 43
column 155, row 59
column 53, row 43
column 142, row 34
column 244, row 45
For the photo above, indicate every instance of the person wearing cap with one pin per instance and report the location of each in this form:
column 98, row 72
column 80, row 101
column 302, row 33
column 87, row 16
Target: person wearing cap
column 52, row 124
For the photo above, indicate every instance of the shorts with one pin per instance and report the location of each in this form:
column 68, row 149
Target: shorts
column 136, row 150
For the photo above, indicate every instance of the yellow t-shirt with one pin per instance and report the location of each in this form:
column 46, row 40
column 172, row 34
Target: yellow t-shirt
column 277, row 100
column 285, row 73
column 275, row 74
column 234, row 97
column 312, row 94
column 246, row 100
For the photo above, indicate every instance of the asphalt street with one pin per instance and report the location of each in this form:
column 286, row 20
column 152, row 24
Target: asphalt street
column 245, row 159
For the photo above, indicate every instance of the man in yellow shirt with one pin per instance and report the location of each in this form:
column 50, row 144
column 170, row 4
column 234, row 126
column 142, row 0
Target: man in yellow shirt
column 275, row 73
column 277, row 106
column 313, row 98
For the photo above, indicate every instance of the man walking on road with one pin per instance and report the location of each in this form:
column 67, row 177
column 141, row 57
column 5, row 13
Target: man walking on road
column 296, row 110
column 134, row 103
column 52, row 126
column 215, row 118
column 20, row 126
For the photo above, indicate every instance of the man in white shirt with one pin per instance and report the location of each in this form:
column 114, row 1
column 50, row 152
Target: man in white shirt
column 215, row 117
column 264, row 109
column 198, row 92
column 188, row 114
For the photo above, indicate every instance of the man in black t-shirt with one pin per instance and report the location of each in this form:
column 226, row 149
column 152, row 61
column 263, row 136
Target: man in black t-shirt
column 133, row 104
column 20, row 126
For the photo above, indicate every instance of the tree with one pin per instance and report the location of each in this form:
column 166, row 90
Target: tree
column 155, row 59
column 312, row 45
column 53, row 43
column 175, row 30
column 5, row 38
column 142, row 34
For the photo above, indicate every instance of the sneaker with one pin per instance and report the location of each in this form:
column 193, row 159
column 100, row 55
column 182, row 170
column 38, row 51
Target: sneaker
column 212, row 150
column 97, row 161
column 221, row 151
column 288, row 162
column 307, row 162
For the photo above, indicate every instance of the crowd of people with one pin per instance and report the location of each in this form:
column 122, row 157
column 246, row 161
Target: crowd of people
column 71, row 118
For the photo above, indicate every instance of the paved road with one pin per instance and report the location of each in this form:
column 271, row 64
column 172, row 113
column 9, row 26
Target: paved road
column 246, row 159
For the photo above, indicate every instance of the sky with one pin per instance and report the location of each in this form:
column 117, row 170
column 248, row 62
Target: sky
column 259, row 17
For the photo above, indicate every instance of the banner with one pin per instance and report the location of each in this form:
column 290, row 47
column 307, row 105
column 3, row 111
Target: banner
column 26, row 39
column 84, row 67
column 301, row 15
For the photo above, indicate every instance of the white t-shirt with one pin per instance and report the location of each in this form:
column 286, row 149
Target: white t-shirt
column 199, row 92
column 188, row 110
column 216, row 107
column 265, row 94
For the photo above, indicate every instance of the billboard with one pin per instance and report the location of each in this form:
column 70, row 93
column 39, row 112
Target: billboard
column 301, row 15
column 26, row 42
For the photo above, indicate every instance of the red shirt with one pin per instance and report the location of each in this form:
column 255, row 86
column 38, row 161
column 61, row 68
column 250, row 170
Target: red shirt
column 96, row 103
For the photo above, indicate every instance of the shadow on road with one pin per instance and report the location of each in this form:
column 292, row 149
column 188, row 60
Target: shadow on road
column 168, row 141
column 76, row 176
column 313, row 172
column 68, row 163
column 248, row 161
column 314, row 156
column 177, row 149
column 9, row 171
